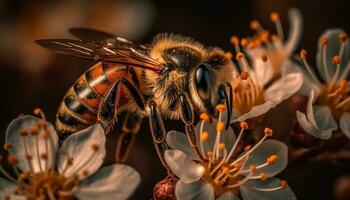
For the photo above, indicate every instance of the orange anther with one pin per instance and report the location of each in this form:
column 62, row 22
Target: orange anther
column 234, row 40
column 220, row 126
column 239, row 55
column 254, row 24
column 44, row 156
column 7, row 146
column 336, row 59
column 95, row 147
column 37, row 111
column 343, row 37
column 247, row 148
column 252, row 168
column 263, row 176
column 220, row 107
column 274, row 37
column 244, row 125
column 204, row 116
column 225, row 169
column 263, row 57
column 12, row 160
column 209, row 153
column 268, row 132
column 244, row 42
column 229, row 55
column 237, row 166
column 23, row 132
column 272, row 159
column 324, row 41
column 343, row 84
column 251, row 45
column 205, row 136
column 274, row 16
column 221, row 146
column 264, row 36
column 303, row 54
column 244, row 75
column 283, row 184
column 34, row 131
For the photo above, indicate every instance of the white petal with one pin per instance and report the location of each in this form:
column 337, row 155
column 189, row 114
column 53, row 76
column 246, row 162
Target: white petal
column 344, row 124
column 195, row 191
column 284, row 87
column 311, row 129
column 183, row 167
column 79, row 147
column 295, row 30
column 332, row 50
column 228, row 137
column 35, row 145
column 324, row 118
column 7, row 188
column 111, row 182
column 249, row 193
column 263, row 71
column 179, row 141
column 308, row 83
column 228, row 196
column 261, row 153
column 256, row 111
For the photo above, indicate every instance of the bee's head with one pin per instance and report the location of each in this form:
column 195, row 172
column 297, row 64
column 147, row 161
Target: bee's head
column 210, row 79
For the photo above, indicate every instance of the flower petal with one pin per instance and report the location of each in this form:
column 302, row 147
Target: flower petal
column 308, row 82
column 311, row 129
column 228, row 137
column 256, row 111
column 324, row 118
column 195, row 191
column 263, row 152
column 284, row 87
column 228, row 196
column 179, row 141
column 333, row 48
column 34, row 145
column 295, row 30
column 7, row 189
column 344, row 124
column 111, row 182
column 249, row 193
column 183, row 167
column 80, row 147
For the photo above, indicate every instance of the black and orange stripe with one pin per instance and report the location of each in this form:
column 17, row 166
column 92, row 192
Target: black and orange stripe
column 80, row 105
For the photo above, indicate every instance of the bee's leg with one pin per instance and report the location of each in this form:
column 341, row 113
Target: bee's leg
column 158, row 133
column 107, row 113
column 228, row 100
column 131, row 127
column 187, row 119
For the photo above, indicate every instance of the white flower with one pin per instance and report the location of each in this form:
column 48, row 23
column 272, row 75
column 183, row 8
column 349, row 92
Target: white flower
column 258, row 84
column 329, row 97
column 276, row 48
column 254, row 94
column 72, row 170
column 223, row 170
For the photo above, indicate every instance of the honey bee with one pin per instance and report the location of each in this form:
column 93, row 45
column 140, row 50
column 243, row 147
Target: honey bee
column 173, row 77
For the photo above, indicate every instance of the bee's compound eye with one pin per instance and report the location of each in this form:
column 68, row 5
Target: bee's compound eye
column 203, row 82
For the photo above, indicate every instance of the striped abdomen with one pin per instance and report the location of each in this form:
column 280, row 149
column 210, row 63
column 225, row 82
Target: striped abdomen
column 79, row 107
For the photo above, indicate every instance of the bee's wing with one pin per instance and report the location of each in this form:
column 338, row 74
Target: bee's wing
column 91, row 34
column 113, row 50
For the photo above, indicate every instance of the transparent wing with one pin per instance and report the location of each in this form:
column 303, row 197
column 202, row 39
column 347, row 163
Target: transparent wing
column 107, row 49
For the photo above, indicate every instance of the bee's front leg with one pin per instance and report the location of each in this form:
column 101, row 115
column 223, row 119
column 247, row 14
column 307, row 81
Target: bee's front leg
column 158, row 132
column 187, row 119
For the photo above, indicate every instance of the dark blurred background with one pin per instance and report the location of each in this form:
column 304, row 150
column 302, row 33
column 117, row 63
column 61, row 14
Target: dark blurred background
column 33, row 77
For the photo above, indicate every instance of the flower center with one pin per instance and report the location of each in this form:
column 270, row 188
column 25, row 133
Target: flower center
column 337, row 98
column 225, row 166
column 46, row 185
